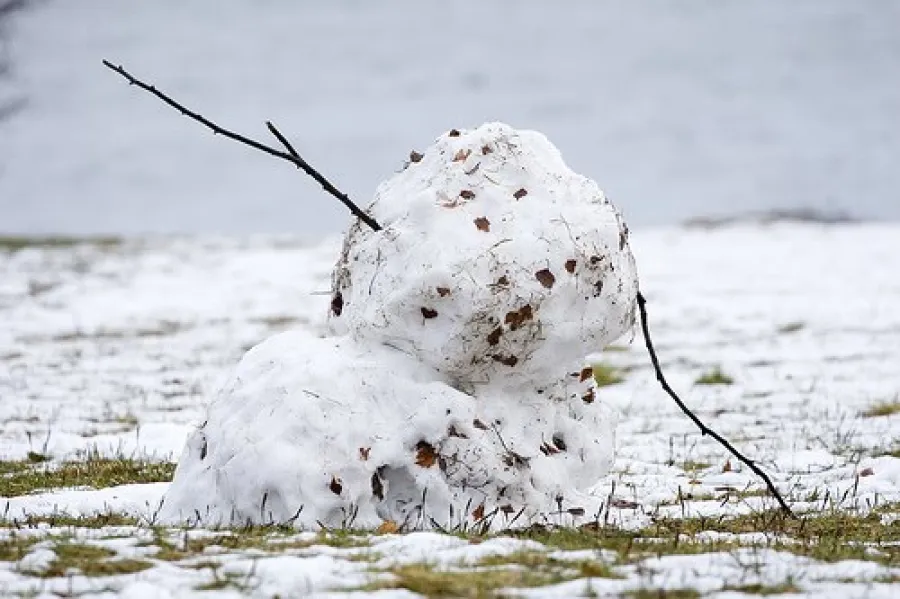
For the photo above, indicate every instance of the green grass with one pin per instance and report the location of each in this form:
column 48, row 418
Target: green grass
column 94, row 521
column 90, row 560
column 432, row 582
column 883, row 408
column 15, row 547
column 28, row 476
column 714, row 377
column 692, row 466
column 765, row 590
column 268, row 539
column 830, row 535
column 606, row 375
column 14, row 243
column 541, row 561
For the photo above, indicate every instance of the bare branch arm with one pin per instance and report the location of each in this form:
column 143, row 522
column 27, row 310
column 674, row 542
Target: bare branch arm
column 290, row 156
column 705, row 430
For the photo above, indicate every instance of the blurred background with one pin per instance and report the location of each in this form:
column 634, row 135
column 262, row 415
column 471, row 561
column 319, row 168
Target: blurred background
column 680, row 111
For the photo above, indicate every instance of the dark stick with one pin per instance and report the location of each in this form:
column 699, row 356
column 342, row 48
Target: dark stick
column 291, row 156
column 704, row 430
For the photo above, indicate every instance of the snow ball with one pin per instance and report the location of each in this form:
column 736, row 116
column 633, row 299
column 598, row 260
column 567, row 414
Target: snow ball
column 328, row 430
column 496, row 262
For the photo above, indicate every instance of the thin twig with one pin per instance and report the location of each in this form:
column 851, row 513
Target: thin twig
column 291, row 156
column 705, row 430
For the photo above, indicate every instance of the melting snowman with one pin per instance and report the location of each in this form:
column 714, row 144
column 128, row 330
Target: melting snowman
column 452, row 388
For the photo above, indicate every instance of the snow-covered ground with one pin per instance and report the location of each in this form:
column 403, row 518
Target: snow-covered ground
column 117, row 347
column 677, row 109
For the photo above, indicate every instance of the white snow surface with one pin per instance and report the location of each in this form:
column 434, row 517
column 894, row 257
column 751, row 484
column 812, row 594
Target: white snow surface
column 456, row 379
column 120, row 347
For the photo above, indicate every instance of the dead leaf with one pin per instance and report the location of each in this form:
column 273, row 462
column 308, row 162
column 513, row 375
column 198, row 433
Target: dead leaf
column 517, row 318
column 521, row 193
column 467, row 194
column 548, row 449
column 505, row 360
column 479, row 424
column 486, row 150
column 866, row 472
column 559, row 442
column 482, row 224
column 388, row 527
column 461, row 155
column 453, row 133
column 478, row 514
column 415, row 156
column 727, row 466
column 453, row 432
column 429, row 312
column 335, row 486
column 337, row 304
column 493, row 337
column 425, row 454
column 586, row 373
column 588, row 397
column 570, row 266
column 443, row 291
column 545, row 277
column 623, row 504
column 364, row 453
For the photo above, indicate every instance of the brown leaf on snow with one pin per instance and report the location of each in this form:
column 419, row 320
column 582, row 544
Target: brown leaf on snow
column 425, row 454
column 337, row 304
column 486, row 150
column 335, row 486
column 866, row 472
column 521, row 193
column 482, row 224
column 505, row 360
column 586, row 373
column 493, row 337
column 588, row 397
column 570, row 266
column 452, row 431
column 443, row 291
column 727, row 466
column 387, row 527
column 461, row 155
column 478, row 514
column 415, row 156
column 467, row 194
column 429, row 312
column 545, row 277
column 479, row 424
column 548, row 449
column 517, row 318
column 453, row 133
column 364, row 453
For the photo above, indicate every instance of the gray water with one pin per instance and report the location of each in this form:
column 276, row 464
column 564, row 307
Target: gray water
column 678, row 110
